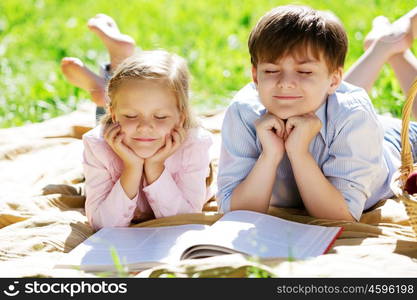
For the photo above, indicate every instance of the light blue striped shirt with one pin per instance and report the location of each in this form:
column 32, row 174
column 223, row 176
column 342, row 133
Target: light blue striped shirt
column 350, row 150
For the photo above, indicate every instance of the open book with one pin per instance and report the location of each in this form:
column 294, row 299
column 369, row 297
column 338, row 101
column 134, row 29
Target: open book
column 250, row 233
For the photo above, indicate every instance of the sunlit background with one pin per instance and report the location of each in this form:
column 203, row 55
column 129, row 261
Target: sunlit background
column 211, row 34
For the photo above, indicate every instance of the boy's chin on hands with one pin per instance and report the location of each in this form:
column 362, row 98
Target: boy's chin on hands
column 301, row 131
column 283, row 115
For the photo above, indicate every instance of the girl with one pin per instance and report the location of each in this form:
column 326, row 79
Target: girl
column 148, row 158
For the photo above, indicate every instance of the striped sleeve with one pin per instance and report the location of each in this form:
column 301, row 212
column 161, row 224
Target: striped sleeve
column 239, row 152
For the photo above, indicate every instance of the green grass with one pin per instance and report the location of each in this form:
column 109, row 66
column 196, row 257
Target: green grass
column 211, row 35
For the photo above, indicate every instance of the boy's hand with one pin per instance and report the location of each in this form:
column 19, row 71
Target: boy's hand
column 300, row 131
column 114, row 137
column 271, row 132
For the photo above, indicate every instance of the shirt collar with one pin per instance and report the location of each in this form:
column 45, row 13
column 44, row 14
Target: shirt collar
column 321, row 113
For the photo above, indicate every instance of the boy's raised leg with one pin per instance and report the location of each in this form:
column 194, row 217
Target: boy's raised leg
column 383, row 42
column 119, row 46
column 409, row 21
column 380, row 26
column 389, row 43
column 404, row 63
column 405, row 69
column 79, row 75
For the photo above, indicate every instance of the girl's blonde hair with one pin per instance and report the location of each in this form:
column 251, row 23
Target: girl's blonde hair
column 154, row 65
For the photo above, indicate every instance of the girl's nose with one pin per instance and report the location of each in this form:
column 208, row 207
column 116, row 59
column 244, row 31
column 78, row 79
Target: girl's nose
column 144, row 125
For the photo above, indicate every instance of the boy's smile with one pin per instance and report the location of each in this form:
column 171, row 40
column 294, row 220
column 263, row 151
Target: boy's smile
column 294, row 85
column 287, row 97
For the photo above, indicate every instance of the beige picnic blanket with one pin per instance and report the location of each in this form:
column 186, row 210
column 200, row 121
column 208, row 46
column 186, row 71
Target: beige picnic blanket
column 42, row 216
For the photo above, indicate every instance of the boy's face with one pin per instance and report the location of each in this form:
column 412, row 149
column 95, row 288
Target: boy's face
column 294, row 85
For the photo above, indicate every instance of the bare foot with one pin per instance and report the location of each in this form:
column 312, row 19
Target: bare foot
column 393, row 38
column 380, row 26
column 409, row 20
column 120, row 46
column 79, row 75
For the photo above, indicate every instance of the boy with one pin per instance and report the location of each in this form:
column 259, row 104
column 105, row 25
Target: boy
column 298, row 136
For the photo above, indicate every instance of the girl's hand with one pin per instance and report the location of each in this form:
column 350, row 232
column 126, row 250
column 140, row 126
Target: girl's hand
column 271, row 132
column 172, row 142
column 114, row 137
column 300, row 131
column 154, row 165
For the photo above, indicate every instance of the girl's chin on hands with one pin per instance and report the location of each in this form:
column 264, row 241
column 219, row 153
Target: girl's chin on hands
column 145, row 151
column 150, row 153
column 145, row 154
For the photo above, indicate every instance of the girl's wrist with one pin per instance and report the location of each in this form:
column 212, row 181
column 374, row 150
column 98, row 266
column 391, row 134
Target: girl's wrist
column 134, row 163
column 133, row 168
column 152, row 163
column 153, row 171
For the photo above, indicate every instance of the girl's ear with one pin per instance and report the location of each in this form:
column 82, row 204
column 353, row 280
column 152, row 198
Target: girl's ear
column 113, row 114
column 336, row 79
column 182, row 120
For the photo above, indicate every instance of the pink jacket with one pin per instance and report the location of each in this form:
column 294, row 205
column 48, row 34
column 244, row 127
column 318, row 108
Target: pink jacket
column 181, row 188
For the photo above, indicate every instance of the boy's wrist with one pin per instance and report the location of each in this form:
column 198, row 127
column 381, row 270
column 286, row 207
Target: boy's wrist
column 272, row 158
column 298, row 156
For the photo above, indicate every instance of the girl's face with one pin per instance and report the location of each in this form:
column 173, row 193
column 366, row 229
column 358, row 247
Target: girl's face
column 147, row 111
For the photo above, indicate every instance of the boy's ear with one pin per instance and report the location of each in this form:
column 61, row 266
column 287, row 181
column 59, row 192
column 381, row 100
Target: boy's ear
column 254, row 75
column 336, row 79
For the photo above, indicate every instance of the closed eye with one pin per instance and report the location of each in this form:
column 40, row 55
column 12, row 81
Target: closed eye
column 129, row 117
column 161, row 117
column 305, row 73
column 271, row 71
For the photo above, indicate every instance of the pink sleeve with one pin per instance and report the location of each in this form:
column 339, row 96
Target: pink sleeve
column 185, row 191
column 107, row 205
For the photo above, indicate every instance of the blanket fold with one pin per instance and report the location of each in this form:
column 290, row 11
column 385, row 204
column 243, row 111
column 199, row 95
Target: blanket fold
column 42, row 216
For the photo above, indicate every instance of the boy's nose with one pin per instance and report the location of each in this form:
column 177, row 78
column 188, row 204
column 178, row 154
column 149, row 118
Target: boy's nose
column 286, row 81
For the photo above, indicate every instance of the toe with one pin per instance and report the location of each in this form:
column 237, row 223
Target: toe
column 69, row 63
column 380, row 20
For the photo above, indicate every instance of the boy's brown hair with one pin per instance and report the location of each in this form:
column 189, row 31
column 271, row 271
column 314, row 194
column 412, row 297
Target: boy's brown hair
column 296, row 30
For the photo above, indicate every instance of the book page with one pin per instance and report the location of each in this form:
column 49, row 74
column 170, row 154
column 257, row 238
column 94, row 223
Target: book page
column 134, row 246
column 267, row 236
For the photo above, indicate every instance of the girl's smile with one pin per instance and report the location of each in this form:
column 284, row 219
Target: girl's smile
column 147, row 112
column 144, row 140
